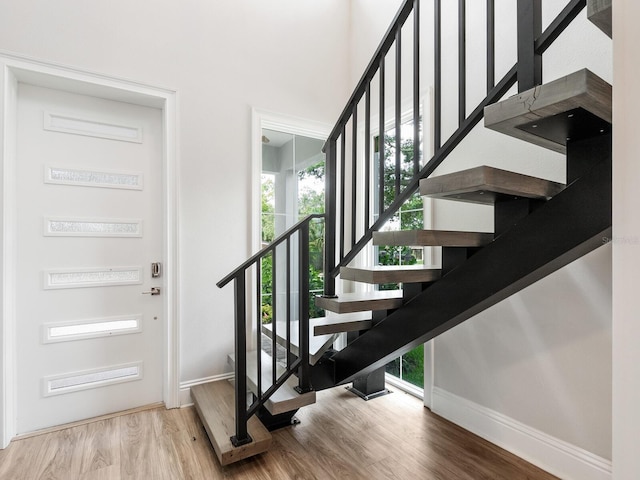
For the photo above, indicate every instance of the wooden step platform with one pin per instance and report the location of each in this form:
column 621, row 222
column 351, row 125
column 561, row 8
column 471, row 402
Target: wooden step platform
column 345, row 322
column 599, row 12
column 214, row 402
column 318, row 344
column 432, row 238
column 390, row 274
column 574, row 107
column 362, row 301
column 286, row 398
column 487, row 185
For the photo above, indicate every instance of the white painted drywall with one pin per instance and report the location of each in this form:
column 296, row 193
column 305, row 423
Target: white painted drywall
column 626, row 246
column 543, row 356
column 223, row 58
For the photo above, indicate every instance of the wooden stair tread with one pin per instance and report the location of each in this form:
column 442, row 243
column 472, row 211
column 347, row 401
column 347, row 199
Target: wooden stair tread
column 390, row 274
column 286, row 398
column 362, row 301
column 599, row 12
column 345, row 322
column 571, row 108
column 214, row 402
column 318, row 344
column 487, row 185
column 432, row 238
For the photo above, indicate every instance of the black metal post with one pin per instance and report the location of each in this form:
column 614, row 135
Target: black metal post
column 303, row 263
column 354, row 174
column 491, row 45
column 416, row 86
column 381, row 140
column 259, row 322
column 330, row 223
column 462, row 61
column 529, row 29
column 437, row 82
column 241, row 437
column 398, row 114
column 288, row 327
column 274, row 314
column 367, row 156
column 343, row 161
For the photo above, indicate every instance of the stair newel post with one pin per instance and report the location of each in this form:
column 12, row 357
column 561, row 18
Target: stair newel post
column 331, row 221
column 304, row 369
column 242, row 436
column 529, row 29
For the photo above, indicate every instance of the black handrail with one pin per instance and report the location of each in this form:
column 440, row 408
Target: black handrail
column 300, row 365
column 527, row 73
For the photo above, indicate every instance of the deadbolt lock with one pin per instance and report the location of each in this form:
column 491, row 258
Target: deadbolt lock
column 156, row 269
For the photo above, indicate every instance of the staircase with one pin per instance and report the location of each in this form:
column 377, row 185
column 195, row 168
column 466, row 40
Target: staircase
column 539, row 227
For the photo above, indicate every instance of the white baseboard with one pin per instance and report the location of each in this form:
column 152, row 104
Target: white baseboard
column 185, row 387
column 549, row 453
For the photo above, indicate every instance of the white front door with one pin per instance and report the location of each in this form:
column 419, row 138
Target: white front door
column 89, row 176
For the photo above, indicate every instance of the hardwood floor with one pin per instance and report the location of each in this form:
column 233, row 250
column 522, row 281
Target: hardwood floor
column 340, row 437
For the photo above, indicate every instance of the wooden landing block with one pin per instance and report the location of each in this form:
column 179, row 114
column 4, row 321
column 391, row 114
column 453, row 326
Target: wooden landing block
column 214, row 402
column 599, row 12
column 574, row 107
column 487, row 185
column 362, row 301
column 286, row 398
column 346, row 322
column 432, row 238
column 390, row 274
column 318, row 344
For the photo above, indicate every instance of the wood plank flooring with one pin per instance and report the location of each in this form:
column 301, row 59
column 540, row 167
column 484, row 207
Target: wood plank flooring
column 340, row 437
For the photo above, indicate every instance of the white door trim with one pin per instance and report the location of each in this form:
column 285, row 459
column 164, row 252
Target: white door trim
column 14, row 69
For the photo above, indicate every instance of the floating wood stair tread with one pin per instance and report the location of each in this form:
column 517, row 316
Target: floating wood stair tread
column 390, row 274
column 214, row 402
column 574, row 107
column 362, row 301
column 286, row 398
column 432, row 238
column 318, row 344
column 599, row 12
column 487, row 185
column 346, row 322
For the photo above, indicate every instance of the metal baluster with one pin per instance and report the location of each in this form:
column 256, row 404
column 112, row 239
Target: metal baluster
column 462, row 62
column 381, row 140
column 529, row 29
column 343, row 167
column 416, row 87
column 491, row 45
column 437, row 88
column 354, row 173
column 288, row 303
column 241, row 437
column 274, row 303
column 304, row 384
column 330, row 209
column 398, row 114
column 259, row 325
column 367, row 155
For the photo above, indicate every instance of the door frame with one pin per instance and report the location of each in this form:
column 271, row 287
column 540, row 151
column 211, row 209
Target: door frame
column 15, row 69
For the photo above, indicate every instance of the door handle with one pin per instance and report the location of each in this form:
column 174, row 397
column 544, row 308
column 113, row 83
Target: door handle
column 154, row 291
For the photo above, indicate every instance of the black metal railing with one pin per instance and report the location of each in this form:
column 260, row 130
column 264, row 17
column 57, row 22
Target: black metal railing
column 348, row 230
column 288, row 274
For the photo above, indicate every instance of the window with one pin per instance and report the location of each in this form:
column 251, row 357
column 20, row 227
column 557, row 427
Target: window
column 292, row 186
column 409, row 368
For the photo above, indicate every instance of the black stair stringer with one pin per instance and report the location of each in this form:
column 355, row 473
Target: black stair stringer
column 573, row 223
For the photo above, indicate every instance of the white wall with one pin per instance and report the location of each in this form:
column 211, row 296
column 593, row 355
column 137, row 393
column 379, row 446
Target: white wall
column 626, row 253
column 223, row 58
column 542, row 358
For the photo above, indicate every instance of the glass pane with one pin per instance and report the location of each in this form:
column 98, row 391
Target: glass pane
column 409, row 367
